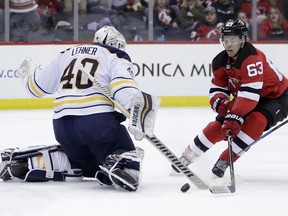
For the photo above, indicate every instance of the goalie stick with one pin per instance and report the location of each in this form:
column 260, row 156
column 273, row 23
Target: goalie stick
column 197, row 181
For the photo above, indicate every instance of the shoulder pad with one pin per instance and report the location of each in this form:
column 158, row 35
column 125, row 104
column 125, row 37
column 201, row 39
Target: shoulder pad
column 247, row 50
column 119, row 53
column 220, row 60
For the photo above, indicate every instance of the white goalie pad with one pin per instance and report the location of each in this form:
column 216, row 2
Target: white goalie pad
column 50, row 162
column 143, row 114
column 115, row 168
column 27, row 67
column 36, row 164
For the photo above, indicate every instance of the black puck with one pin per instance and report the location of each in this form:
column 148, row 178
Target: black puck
column 185, row 187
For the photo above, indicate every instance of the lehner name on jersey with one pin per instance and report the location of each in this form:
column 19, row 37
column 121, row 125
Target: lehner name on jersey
column 84, row 50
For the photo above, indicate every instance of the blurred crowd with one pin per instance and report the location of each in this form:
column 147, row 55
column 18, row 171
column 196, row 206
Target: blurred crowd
column 173, row 20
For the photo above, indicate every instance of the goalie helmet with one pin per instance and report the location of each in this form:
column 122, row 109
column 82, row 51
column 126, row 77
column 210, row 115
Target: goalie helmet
column 110, row 36
column 234, row 27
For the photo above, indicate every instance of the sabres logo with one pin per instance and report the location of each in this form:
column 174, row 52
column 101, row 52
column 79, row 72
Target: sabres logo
column 130, row 71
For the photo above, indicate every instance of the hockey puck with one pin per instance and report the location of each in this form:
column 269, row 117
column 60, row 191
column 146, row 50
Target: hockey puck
column 185, row 187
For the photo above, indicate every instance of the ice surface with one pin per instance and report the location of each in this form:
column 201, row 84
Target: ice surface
column 261, row 189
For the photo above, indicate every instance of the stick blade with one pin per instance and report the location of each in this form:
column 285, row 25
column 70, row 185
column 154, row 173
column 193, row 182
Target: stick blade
column 222, row 189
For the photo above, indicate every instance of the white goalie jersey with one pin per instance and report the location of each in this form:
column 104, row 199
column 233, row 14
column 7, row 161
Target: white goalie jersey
column 75, row 93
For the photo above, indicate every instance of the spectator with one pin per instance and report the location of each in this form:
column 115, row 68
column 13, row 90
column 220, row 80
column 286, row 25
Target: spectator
column 127, row 5
column 205, row 3
column 68, row 6
column 118, row 5
column 209, row 30
column 94, row 26
column 285, row 9
column 47, row 10
column 283, row 6
column 190, row 14
column 175, row 4
column 262, row 9
column 275, row 27
column 2, row 16
column 165, row 20
column 24, row 19
column 136, row 5
column 243, row 16
column 226, row 9
column 99, row 7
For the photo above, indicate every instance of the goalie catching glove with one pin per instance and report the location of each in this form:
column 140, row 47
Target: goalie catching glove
column 27, row 67
column 142, row 116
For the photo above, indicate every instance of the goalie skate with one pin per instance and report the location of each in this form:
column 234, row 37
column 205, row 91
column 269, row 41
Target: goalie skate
column 124, row 180
column 4, row 174
column 9, row 169
column 115, row 170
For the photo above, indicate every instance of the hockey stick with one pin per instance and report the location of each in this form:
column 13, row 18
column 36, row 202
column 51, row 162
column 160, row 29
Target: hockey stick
column 198, row 182
column 232, row 187
column 263, row 136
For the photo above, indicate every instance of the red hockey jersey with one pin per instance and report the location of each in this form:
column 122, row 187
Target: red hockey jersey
column 251, row 77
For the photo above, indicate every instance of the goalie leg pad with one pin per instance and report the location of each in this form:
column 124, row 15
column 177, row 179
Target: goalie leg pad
column 36, row 164
column 123, row 169
column 143, row 113
column 40, row 175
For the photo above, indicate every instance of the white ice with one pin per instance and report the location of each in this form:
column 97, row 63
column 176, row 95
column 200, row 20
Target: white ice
column 261, row 189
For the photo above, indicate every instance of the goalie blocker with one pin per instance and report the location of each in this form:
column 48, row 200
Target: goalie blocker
column 142, row 115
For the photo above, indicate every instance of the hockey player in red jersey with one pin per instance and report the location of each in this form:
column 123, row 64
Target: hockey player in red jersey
column 247, row 91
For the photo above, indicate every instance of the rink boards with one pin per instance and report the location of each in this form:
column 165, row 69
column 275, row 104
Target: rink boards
column 179, row 73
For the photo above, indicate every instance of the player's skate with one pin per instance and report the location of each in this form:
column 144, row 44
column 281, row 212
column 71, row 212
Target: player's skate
column 103, row 178
column 122, row 169
column 220, row 168
column 9, row 169
column 117, row 177
column 188, row 157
